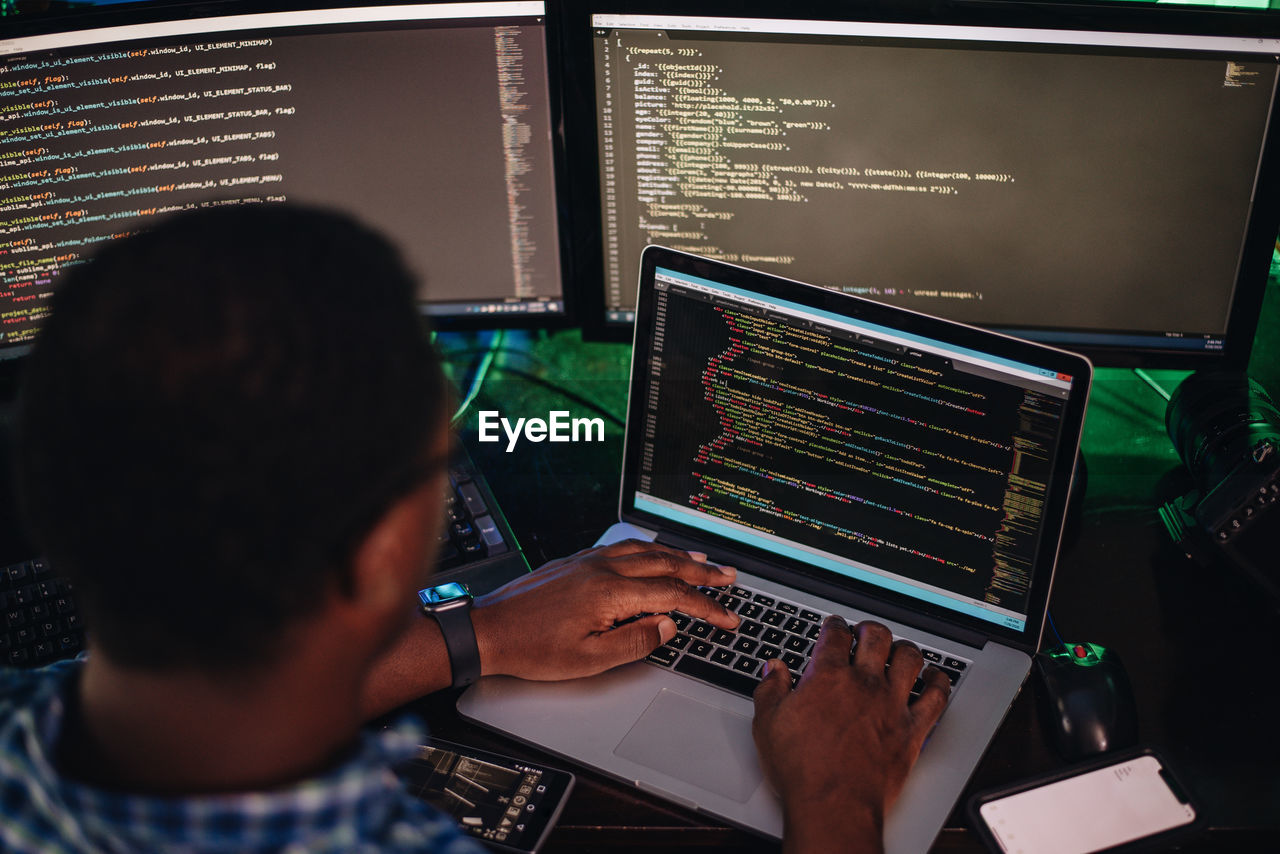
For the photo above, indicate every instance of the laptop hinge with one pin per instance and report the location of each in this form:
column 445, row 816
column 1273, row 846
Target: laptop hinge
column 835, row 593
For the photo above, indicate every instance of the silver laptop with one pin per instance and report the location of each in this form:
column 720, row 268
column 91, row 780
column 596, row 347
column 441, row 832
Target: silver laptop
column 847, row 457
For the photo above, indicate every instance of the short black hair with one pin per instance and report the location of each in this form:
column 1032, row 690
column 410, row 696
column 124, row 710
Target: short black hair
column 214, row 415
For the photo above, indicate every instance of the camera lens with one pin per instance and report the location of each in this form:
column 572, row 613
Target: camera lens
column 1218, row 420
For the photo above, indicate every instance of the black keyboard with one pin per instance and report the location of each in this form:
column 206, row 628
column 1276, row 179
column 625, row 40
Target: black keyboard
column 476, row 547
column 471, row 532
column 770, row 628
column 40, row 623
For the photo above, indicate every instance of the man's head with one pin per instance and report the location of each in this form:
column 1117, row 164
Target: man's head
column 215, row 415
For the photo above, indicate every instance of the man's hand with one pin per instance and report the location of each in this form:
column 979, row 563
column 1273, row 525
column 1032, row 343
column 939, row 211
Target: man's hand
column 562, row 620
column 842, row 743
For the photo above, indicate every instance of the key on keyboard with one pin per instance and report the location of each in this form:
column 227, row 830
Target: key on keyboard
column 470, row 532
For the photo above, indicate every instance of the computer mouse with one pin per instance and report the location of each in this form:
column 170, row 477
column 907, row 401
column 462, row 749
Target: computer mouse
column 1086, row 700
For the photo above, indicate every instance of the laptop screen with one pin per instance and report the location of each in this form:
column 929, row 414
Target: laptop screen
column 914, row 465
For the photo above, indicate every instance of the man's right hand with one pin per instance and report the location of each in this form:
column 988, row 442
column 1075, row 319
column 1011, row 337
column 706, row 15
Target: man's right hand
column 562, row 620
column 842, row 742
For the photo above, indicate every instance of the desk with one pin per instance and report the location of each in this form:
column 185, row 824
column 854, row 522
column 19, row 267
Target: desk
column 1190, row 642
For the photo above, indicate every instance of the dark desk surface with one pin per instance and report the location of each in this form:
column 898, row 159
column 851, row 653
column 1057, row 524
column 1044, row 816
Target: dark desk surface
column 1192, row 643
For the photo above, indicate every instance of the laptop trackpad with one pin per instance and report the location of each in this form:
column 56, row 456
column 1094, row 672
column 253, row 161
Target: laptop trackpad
column 696, row 742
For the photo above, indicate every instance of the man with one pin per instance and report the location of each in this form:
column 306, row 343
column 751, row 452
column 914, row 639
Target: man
column 233, row 440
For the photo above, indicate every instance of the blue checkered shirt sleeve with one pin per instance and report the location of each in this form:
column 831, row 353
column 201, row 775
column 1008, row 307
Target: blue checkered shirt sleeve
column 359, row 806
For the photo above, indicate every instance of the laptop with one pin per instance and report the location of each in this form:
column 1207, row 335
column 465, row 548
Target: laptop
column 847, row 457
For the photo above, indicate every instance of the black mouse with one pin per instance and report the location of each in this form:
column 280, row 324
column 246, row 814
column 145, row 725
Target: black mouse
column 1086, row 700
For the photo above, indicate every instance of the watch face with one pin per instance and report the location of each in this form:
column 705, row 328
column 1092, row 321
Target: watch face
column 443, row 593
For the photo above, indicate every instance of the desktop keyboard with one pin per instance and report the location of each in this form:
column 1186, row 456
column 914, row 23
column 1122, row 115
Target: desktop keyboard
column 770, row 628
column 476, row 547
column 470, row 531
column 39, row 622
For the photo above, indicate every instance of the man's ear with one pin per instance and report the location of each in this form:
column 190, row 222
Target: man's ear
column 391, row 562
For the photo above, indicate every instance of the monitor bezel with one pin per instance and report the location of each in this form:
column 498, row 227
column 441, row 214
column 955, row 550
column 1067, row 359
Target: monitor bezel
column 582, row 142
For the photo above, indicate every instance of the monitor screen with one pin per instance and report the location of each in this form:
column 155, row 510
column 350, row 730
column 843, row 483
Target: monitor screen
column 1097, row 189
column 432, row 123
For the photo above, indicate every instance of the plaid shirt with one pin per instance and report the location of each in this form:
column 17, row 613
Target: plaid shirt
column 360, row 806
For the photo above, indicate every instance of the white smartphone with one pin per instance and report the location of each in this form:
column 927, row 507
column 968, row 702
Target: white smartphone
column 1126, row 801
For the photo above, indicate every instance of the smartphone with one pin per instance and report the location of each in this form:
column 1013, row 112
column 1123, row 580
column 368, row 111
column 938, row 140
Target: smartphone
column 1127, row 801
column 508, row 804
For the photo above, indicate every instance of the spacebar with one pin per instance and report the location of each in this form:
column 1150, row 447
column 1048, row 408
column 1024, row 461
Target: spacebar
column 738, row 683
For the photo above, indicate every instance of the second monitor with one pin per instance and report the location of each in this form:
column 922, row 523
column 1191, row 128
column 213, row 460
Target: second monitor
column 1095, row 182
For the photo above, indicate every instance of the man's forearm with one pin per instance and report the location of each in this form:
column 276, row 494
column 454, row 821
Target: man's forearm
column 416, row 665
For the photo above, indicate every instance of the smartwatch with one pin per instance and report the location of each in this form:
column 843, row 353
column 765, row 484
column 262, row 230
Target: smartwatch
column 450, row 605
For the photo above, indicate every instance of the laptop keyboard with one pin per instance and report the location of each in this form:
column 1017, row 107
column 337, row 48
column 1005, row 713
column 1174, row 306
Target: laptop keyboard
column 770, row 628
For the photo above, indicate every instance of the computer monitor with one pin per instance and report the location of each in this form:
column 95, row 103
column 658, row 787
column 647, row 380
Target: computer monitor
column 432, row 123
column 1102, row 179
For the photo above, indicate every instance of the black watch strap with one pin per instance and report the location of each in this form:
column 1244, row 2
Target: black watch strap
column 460, row 640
